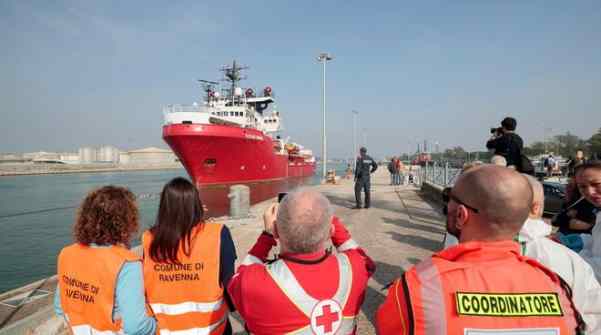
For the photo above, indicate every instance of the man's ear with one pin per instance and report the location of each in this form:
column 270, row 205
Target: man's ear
column 536, row 208
column 462, row 215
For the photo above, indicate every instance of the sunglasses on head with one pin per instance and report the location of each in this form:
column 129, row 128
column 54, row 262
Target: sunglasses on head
column 447, row 195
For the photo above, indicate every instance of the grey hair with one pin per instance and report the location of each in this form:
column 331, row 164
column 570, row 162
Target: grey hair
column 538, row 193
column 304, row 220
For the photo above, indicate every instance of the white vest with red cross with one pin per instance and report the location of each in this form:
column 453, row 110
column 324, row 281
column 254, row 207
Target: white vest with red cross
column 324, row 317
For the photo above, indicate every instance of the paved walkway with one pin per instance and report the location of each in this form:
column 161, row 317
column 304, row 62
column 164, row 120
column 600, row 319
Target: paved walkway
column 398, row 231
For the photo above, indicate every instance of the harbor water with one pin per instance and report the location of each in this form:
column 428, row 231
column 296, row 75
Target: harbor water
column 37, row 213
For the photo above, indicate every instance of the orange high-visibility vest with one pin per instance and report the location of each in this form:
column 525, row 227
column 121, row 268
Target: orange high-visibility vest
column 477, row 288
column 188, row 297
column 87, row 280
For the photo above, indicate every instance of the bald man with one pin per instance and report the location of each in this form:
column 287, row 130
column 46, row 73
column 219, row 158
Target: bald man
column 483, row 284
column 308, row 290
column 575, row 271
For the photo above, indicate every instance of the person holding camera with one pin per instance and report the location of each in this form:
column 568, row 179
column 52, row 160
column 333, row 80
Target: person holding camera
column 307, row 289
column 505, row 142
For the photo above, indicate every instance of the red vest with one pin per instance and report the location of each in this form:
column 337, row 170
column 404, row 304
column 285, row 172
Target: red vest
column 477, row 287
column 87, row 281
column 187, row 297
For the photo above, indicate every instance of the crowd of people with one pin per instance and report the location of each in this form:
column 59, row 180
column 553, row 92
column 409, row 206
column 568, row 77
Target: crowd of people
column 502, row 270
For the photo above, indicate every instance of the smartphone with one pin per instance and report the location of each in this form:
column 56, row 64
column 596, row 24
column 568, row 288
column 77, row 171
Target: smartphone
column 281, row 196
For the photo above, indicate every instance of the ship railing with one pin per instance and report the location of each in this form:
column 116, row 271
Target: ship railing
column 185, row 109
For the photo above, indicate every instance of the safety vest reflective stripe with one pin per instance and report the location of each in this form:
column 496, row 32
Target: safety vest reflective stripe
column 186, row 307
column 435, row 322
column 194, row 331
column 284, row 278
column 250, row 259
column 88, row 330
column 348, row 245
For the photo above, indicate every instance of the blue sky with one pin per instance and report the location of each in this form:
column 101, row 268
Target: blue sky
column 78, row 73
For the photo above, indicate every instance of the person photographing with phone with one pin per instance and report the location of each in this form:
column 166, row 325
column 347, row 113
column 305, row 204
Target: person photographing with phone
column 316, row 291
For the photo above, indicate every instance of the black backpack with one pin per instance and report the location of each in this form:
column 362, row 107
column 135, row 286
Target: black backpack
column 525, row 165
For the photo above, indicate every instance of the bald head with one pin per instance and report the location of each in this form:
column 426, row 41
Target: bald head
column 304, row 221
column 538, row 197
column 502, row 197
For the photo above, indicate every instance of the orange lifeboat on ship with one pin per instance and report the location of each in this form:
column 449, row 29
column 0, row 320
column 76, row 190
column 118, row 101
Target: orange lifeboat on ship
column 291, row 148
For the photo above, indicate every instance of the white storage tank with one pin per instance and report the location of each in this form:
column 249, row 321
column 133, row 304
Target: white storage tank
column 87, row 155
column 108, row 154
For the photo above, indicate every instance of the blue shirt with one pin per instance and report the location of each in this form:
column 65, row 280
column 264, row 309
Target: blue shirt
column 129, row 301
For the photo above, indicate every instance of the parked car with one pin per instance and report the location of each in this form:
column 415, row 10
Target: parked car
column 555, row 194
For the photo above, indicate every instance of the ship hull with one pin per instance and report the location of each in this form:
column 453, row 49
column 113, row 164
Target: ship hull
column 221, row 154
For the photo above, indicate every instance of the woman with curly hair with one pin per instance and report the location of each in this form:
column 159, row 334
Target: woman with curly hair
column 187, row 264
column 100, row 284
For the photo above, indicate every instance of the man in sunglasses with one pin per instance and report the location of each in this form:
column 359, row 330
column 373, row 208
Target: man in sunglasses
column 483, row 284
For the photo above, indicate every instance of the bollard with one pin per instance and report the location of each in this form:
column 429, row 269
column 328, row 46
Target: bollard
column 239, row 201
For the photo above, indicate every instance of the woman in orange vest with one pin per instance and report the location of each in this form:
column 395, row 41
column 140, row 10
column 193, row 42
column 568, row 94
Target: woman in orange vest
column 100, row 285
column 187, row 263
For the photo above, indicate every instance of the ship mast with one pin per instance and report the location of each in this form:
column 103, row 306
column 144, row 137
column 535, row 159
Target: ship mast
column 233, row 75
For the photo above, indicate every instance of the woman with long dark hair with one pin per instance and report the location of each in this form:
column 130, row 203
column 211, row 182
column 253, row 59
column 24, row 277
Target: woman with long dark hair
column 187, row 264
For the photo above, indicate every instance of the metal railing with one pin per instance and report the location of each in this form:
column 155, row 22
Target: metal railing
column 439, row 173
column 184, row 109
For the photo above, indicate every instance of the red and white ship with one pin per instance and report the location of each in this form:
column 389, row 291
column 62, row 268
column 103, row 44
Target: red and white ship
column 232, row 137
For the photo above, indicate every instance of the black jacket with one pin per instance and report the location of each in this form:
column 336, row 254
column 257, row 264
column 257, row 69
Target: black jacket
column 509, row 145
column 365, row 166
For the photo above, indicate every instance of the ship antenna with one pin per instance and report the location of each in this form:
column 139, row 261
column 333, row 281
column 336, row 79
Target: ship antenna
column 208, row 86
column 233, row 75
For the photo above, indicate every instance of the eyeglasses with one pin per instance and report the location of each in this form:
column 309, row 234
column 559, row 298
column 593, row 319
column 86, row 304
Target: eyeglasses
column 447, row 195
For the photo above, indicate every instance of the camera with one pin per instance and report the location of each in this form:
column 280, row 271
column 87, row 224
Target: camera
column 496, row 130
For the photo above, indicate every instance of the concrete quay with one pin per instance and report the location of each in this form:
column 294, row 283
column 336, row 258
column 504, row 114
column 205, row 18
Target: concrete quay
column 400, row 229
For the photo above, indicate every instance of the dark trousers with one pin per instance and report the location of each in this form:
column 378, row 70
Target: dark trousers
column 365, row 185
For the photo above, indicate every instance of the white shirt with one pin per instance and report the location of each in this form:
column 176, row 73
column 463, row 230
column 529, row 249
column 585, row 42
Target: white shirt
column 591, row 251
column 573, row 269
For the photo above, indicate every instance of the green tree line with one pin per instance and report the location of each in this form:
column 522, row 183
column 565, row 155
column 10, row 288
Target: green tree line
column 564, row 145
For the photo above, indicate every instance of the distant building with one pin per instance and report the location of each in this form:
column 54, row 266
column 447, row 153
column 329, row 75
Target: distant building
column 69, row 157
column 151, row 155
column 123, row 157
column 107, row 154
column 87, row 155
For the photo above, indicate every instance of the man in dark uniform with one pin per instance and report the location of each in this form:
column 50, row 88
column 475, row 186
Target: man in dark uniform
column 365, row 166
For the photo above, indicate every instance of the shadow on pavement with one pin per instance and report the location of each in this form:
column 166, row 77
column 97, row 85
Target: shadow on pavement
column 410, row 225
column 345, row 202
column 385, row 274
column 417, row 241
column 373, row 299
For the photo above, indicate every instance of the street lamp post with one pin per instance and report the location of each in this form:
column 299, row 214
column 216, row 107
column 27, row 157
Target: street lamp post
column 364, row 137
column 323, row 58
column 355, row 113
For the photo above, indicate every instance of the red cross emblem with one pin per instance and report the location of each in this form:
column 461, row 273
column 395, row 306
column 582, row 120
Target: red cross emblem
column 326, row 317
